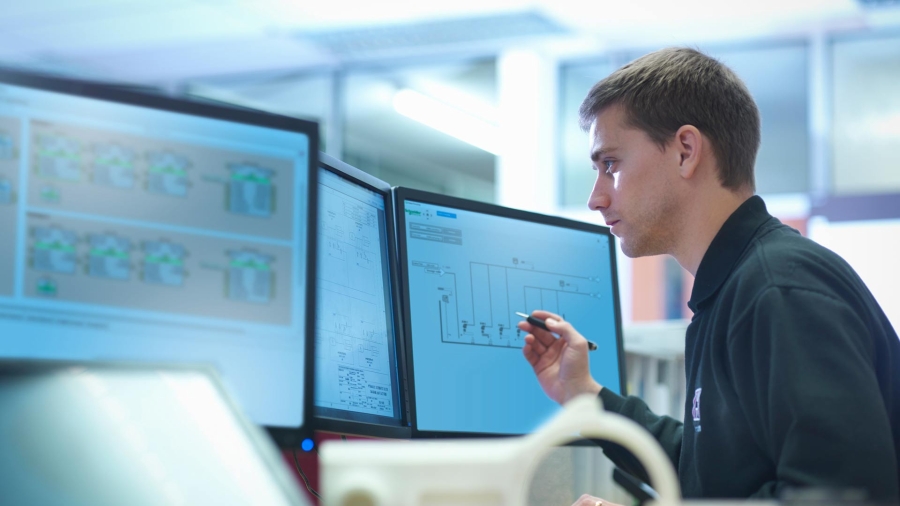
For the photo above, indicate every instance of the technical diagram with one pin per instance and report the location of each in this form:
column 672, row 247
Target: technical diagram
column 46, row 287
column 349, row 247
column 114, row 165
column 58, row 157
column 7, row 192
column 250, row 190
column 54, row 250
column 114, row 265
column 143, row 230
column 9, row 227
column 360, row 393
column 164, row 263
column 485, row 314
column 8, row 148
column 250, row 277
column 109, row 256
column 49, row 194
column 351, row 319
column 228, row 189
column 167, row 173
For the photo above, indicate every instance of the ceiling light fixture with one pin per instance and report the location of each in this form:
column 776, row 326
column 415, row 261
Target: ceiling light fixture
column 447, row 119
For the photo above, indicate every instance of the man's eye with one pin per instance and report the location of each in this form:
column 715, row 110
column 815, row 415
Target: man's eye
column 607, row 166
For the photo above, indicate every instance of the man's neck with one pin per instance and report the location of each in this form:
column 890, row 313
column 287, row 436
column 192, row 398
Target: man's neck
column 703, row 221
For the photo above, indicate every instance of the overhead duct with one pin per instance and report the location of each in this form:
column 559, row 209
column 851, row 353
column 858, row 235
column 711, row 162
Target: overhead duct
column 483, row 32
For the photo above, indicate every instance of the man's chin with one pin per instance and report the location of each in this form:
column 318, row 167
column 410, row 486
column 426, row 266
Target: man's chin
column 632, row 250
column 627, row 249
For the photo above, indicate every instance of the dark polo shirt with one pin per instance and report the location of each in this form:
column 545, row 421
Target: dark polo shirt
column 792, row 370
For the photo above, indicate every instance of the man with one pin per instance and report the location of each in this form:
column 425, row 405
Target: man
column 793, row 370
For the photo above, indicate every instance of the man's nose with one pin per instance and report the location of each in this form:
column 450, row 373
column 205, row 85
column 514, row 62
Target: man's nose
column 599, row 199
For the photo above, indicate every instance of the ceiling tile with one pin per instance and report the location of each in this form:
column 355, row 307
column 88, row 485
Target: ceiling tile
column 210, row 58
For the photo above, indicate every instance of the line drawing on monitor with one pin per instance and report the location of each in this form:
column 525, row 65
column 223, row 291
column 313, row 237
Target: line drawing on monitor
column 359, row 382
column 467, row 268
column 151, row 228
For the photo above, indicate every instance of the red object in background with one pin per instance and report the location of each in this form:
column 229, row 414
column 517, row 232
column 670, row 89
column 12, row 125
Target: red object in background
column 309, row 462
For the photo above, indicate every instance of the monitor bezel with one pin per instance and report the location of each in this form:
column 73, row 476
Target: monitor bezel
column 401, row 195
column 146, row 97
column 356, row 427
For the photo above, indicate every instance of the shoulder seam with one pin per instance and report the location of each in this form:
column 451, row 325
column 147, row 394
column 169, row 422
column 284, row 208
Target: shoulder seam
column 758, row 246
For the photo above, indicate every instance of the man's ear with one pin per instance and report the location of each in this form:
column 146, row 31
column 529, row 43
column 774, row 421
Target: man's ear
column 689, row 146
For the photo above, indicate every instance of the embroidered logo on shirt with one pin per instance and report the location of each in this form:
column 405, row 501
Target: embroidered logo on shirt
column 695, row 409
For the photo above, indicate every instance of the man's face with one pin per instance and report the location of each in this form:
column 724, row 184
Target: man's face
column 637, row 185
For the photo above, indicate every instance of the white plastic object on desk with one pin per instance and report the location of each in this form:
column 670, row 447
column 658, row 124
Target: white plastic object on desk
column 483, row 472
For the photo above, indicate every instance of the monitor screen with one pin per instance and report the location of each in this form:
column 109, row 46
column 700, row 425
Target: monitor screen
column 468, row 268
column 357, row 378
column 140, row 227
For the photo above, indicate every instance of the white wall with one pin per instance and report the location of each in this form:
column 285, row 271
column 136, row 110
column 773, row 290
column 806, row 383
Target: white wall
column 872, row 249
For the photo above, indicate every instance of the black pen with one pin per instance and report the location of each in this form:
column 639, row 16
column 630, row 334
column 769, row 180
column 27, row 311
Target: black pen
column 537, row 322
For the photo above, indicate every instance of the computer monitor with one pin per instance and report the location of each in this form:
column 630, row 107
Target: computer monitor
column 112, row 434
column 142, row 227
column 358, row 378
column 468, row 267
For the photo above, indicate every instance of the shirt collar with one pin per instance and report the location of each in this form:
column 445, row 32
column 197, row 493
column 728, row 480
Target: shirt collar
column 726, row 248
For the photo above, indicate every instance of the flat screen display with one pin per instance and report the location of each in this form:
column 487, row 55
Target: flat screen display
column 469, row 267
column 139, row 436
column 357, row 377
column 140, row 227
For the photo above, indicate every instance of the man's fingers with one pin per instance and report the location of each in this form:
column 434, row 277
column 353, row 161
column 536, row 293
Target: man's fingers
column 550, row 356
column 538, row 346
column 586, row 500
column 544, row 337
column 543, row 315
column 566, row 332
column 561, row 327
column 589, row 500
column 533, row 350
column 530, row 355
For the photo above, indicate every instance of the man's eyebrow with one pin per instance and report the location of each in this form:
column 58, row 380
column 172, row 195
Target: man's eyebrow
column 600, row 153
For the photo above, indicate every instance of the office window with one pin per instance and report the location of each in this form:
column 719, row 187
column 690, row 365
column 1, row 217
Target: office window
column 870, row 247
column 776, row 77
column 387, row 113
column 576, row 176
column 866, row 115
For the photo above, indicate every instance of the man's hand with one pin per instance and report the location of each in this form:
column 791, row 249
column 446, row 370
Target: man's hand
column 561, row 365
column 589, row 500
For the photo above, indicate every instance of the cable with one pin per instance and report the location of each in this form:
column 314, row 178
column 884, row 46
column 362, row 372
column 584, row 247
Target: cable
column 303, row 475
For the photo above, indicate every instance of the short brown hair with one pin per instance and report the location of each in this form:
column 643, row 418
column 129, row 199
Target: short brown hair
column 666, row 89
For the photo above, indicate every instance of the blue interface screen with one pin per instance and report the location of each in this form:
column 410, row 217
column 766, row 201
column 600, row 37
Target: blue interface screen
column 132, row 233
column 468, row 274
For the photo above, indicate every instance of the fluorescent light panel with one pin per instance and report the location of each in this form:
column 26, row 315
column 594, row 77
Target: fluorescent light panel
column 447, row 119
